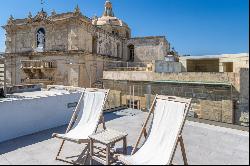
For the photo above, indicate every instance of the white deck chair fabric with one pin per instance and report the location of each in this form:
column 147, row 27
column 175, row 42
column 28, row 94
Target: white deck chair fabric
column 88, row 117
column 158, row 148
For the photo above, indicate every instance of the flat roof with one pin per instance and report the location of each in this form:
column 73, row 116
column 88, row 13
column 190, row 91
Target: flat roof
column 193, row 82
column 148, row 37
column 33, row 95
column 205, row 144
column 200, row 57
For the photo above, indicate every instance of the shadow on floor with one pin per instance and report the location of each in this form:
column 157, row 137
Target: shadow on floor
column 111, row 116
column 119, row 114
column 27, row 140
column 129, row 150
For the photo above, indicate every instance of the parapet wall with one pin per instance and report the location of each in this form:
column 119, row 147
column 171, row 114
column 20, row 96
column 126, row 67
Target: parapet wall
column 167, row 67
column 21, row 117
column 23, row 88
column 219, row 97
column 188, row 77
column 149, row 48
column 211, row 102
column 244, row 96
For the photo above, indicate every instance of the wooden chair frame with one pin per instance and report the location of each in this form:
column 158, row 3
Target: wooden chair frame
column 72, row 121
column 179, row 138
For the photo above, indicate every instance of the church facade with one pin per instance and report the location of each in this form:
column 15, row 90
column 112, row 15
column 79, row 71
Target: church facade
column 72, row 49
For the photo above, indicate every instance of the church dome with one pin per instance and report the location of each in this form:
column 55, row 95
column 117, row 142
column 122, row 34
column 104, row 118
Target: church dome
column 107, row 20
column 108, row 17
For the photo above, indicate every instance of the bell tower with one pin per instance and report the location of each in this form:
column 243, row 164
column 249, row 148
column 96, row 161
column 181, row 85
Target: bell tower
column 108, row 9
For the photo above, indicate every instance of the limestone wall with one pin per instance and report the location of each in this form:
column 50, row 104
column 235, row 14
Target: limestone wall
column 66, row 34
column 211, row 102
column 114, row 99
column 79, row 38
column 122, row 31
column 23, row 40
column 186, row 76
column 211, row 65
column 109, row 45
column 81, row 70
column 59, row 37
column 215, row 63
column 217, row 96
column 167, row 67
column 244, row 96
column 240, row 61
column 147, row 49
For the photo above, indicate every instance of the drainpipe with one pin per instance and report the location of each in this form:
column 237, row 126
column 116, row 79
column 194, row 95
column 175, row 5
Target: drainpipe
column 130, row 96
column 148, row 100
column 133, row 97
column 79, row 73
column 233, row 110
column 4, row 79
column 90, row 77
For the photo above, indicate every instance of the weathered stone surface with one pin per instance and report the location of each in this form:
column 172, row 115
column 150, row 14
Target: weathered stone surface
column 114, row 99
column 208, row 105
column 166, row 67
column 147, row 49
column 79, row 46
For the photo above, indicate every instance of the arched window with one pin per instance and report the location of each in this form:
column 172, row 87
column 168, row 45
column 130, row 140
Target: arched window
column 131, row 52
column 40, row 36
column 127, row 34
column 118, row 49
column 94, row 45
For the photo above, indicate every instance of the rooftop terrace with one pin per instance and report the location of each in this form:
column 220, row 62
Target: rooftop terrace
column 205, row 144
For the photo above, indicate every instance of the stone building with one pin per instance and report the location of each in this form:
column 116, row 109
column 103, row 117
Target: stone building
column 215, row 63
column 147, row 49
column 72, row 49
column 218, row 85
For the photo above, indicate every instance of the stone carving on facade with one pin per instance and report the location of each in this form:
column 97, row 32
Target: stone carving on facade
column 108, row 9
column 41, row 16
column 11, row 20
column 53, row 13
column 66, row 34
column 40, row 40
column 77, row 11
column 30, row 15
column 29, row 19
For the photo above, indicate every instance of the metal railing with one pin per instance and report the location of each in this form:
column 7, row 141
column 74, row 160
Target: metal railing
column 37, row 80
column 128, row 66
column 2, row 77
column 38, row 64
column 212, row 106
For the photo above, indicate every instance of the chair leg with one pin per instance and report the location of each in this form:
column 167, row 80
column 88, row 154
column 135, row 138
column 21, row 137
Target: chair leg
column 91, row 152
column 183, row 150
column 60, row 149
column 87, row 154
column 103, row 123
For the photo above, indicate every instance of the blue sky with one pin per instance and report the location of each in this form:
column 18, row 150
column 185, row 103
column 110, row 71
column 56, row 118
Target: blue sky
column 195, row 27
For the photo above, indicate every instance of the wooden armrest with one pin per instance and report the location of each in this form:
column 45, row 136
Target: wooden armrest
column 54, row 135
column 145, row 132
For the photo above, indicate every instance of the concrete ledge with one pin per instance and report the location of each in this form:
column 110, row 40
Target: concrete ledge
column 184, row 76
column 214, row 123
